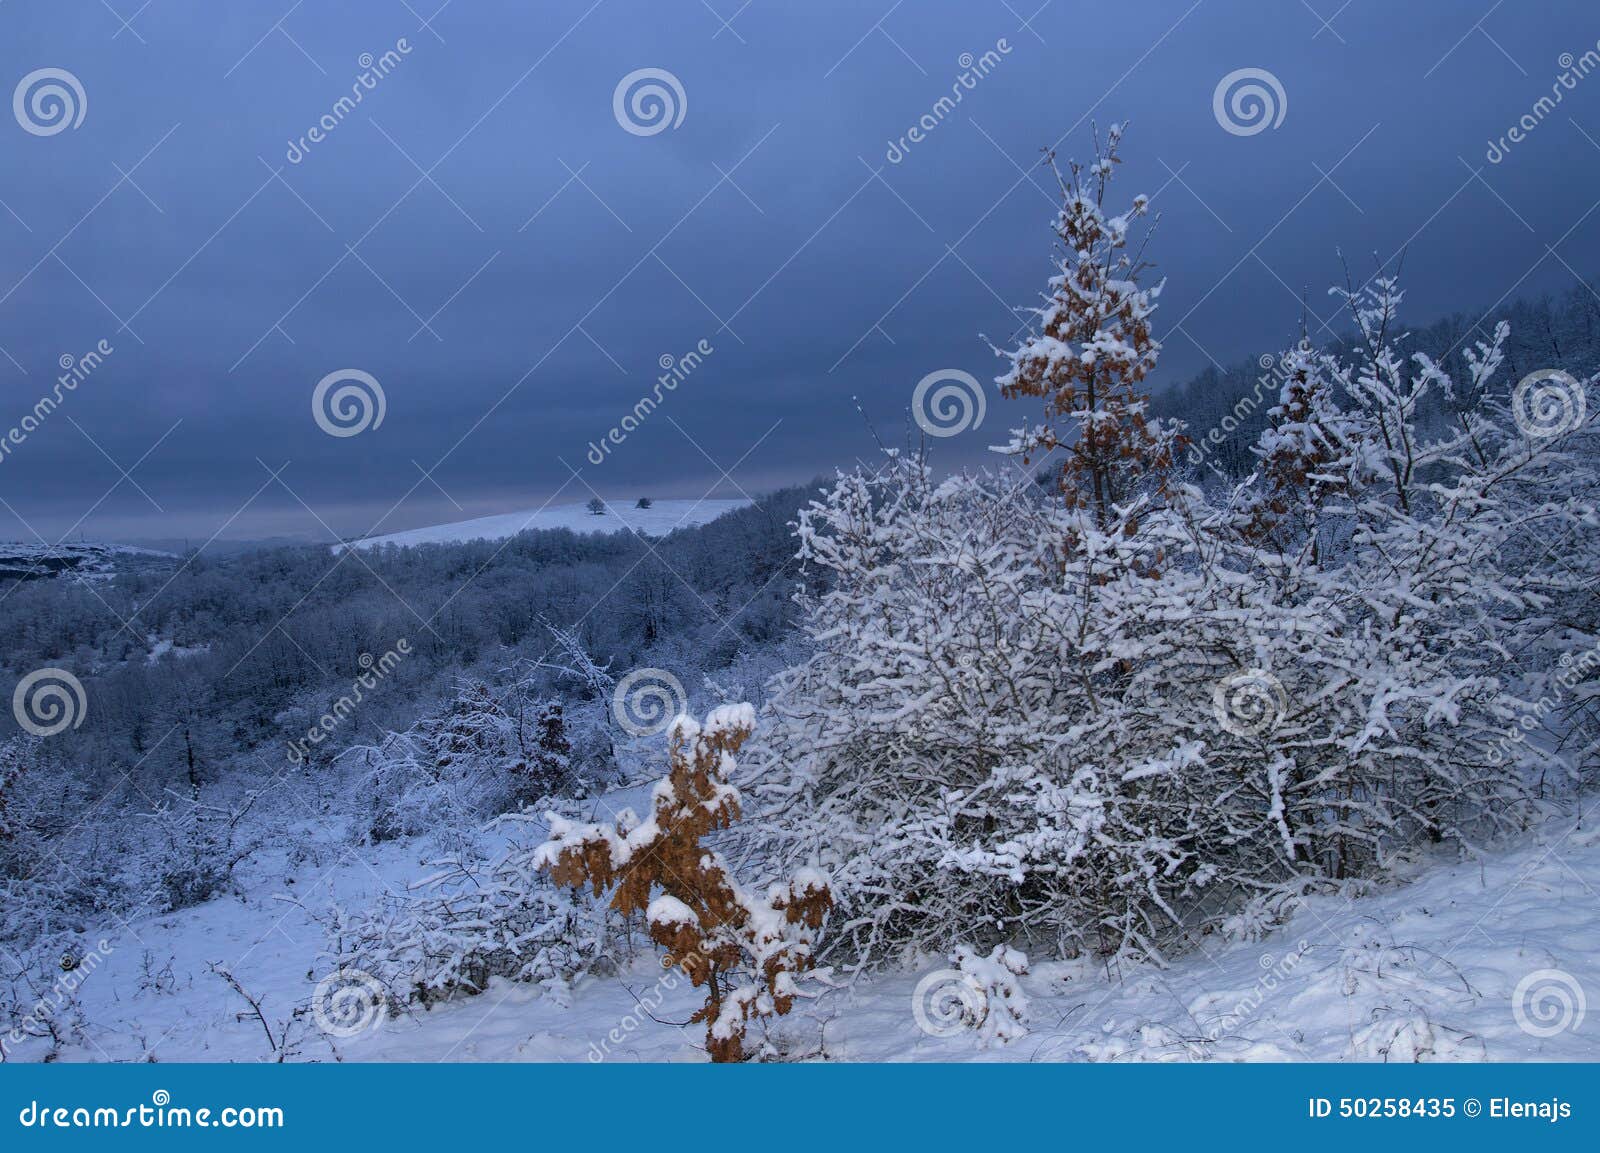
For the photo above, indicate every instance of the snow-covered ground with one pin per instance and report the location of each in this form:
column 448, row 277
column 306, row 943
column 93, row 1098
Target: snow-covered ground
column 662, row 517
column 1426, row 970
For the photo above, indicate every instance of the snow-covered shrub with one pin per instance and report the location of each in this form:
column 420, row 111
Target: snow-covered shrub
column 999, row 731
column 754, row 955
column 483, row 755
column 15, row 836
column 1002, row 1013
column 1400, row 564
column 51, row 882
column 547, row 768
column 198, row 844
column 589, row 729
column 1554, row 544
column 463, row 926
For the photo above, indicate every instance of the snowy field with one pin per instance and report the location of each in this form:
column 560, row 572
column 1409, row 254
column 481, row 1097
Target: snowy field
column 662, row 517
column 1423, row 970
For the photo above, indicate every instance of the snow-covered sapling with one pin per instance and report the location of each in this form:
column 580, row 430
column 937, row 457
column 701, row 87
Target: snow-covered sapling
column 752, row 954
column 1092, row 352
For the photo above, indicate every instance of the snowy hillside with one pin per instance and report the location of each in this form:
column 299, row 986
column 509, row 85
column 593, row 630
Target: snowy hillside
column 1465, row 963
column 24, row 561
column 662, row 517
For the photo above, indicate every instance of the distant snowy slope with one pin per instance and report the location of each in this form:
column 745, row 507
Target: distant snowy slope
column 23, row 561
column 662, row 517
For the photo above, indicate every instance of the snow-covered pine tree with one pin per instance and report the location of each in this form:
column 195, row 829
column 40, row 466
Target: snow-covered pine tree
column 547, row 766
column 1092, row 352
column 752, row 954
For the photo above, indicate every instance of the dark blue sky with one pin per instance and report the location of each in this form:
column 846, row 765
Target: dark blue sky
column 484, row 238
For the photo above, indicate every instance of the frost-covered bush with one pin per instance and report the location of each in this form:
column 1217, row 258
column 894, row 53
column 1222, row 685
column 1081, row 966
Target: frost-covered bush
column 463, row 926
column 1553, row 543
column 197, row 846
column 1421, row 571
column 16, row 838
column 1002, row 1011
column 483, row 755
column 59, row 867
column 997, row 735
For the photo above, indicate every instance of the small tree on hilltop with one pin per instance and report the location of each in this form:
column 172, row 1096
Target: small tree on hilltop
column 752, row 954
column 596, row 506
column 1093, row 351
